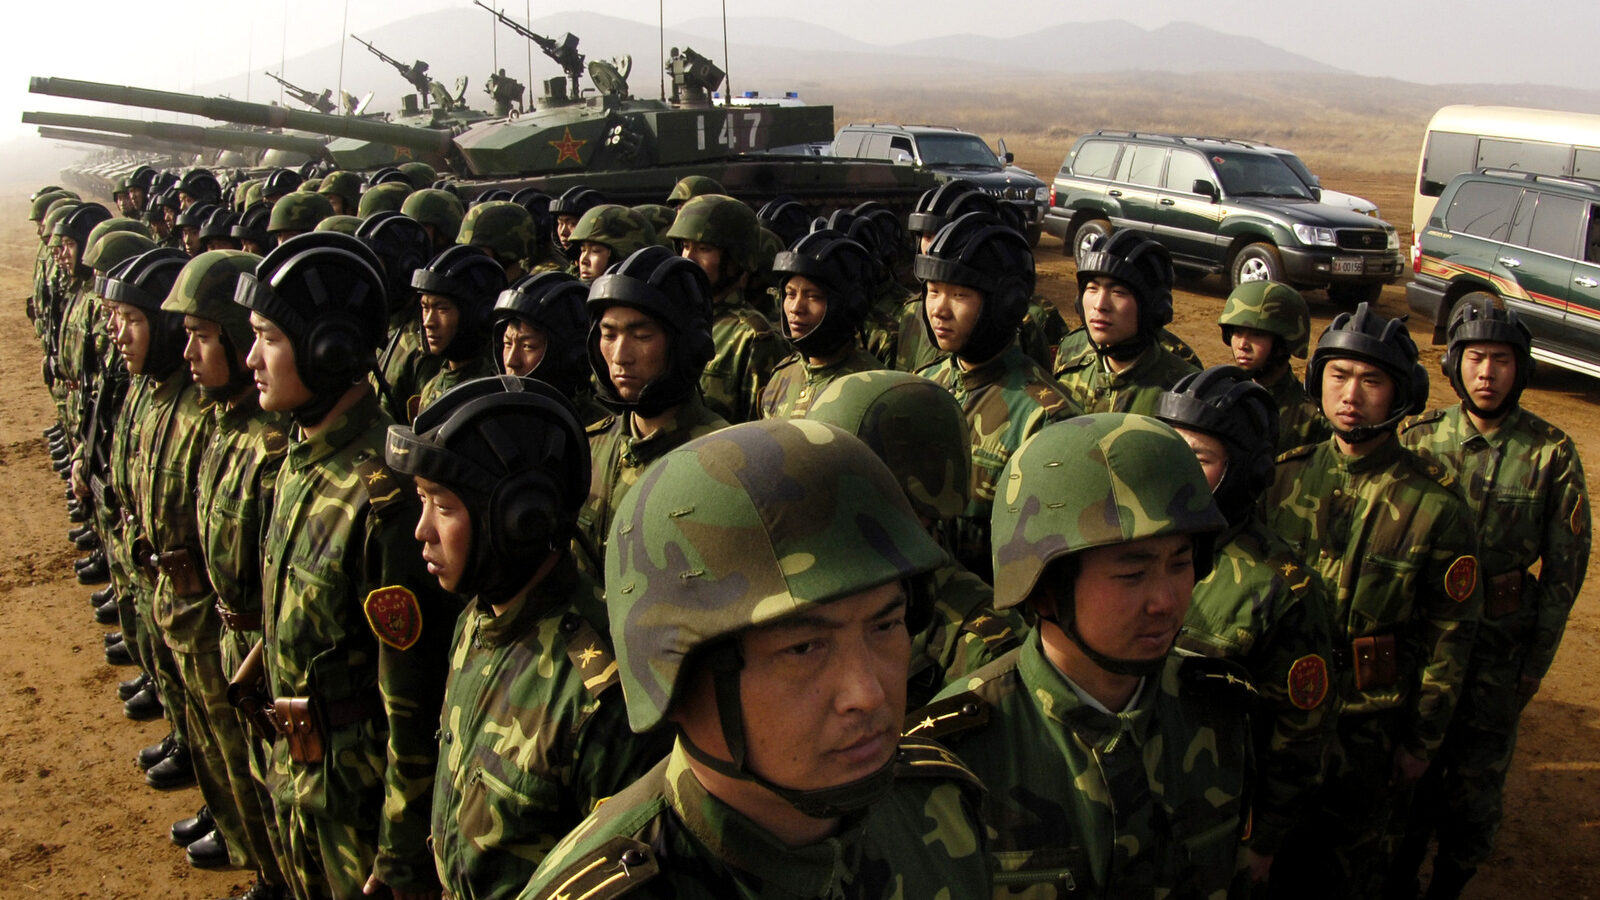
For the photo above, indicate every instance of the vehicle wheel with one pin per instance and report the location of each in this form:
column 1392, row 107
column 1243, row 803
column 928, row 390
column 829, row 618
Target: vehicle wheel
column 1354, row 294
column 1035, row 231
column 1086, row 235
column 1256, row 262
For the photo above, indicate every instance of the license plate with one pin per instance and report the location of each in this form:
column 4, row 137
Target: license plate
column 1348, row 265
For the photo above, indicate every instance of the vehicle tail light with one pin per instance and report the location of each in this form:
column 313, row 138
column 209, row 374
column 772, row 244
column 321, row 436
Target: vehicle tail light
column 1052, row 195
column 1416, row 256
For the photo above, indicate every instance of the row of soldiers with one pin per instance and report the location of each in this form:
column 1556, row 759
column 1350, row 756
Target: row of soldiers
column 1143, row 656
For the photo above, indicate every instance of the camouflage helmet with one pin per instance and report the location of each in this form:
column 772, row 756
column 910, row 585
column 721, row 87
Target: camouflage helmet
column 979, row 252
column 472, row 282
column 116, row 223
column 252, row 224
column 501, row 227
column 195, row 216
column 784, row 216
column 41, row 203
column 239, row 191
column 388, row 195
column 310, row 185
column 741, row 528
column 1476, row 319
column 660, row 218
column 143, row 282
column 279, row 182
column 554, row 303
column 915, row 426
column 440, row 209
column 1369, row 337
column 112, row 248
column 345, row 185
column 1273, row 307
column 298, row 212
column 843, row 269
column 252, row 193
column 691, row 186
column 341, row 224
column 1094, row 481
column 205, row 289
column 617, row 227
column 723, row 222
column 404, row 247
column 58, row 210
column 419, row 174
column 513, row 451
column 936, row 207
column 1223, row 402
column 201, row 186
column 1144, row 266
column 673, row 291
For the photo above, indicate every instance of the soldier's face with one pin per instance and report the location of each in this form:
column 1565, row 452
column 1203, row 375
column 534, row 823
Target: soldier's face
column 441, row 319
column 1210, row 452
column 707, row 256
column 564, row 226
column 522, row 347
column 132, row 335
column 1488, row 372
column 1356, row 393
column 634, row 347
column 271, row 358
column 805, row 305
column 1251, row 347
column 953, row 311
column 134, row 201
column 205, row 352
column 592, row 261
column 822, row 693
column 1110, row 311
column 1131, row 598
column 339, row 205
column 191, row 240
column 445, row 530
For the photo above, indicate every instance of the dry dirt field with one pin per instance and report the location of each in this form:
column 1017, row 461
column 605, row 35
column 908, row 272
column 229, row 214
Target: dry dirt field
column 77, row 821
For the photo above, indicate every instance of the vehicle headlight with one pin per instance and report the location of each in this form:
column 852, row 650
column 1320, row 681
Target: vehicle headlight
column 1041, row 193
column 1394, row 239
column 1315, row 236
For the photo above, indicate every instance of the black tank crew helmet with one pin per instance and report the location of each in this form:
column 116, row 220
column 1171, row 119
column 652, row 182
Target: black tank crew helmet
column 1225, row 403
column 673, row 291
column 1146, row 268
column 1367, row 336
column 979, row 252
column 1477, row 320
column 556, row 304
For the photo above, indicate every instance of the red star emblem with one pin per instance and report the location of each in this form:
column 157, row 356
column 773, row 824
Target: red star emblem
column 567, row 148
column 403, row 153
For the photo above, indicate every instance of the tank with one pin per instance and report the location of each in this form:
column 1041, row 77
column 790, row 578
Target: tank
column 183, row 135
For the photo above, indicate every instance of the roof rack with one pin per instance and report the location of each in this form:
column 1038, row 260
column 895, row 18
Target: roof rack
column 1587, row 184
column 1181, row 138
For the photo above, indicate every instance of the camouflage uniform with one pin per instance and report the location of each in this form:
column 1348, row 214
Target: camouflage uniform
column 749, row 350
column 340, row 530
column 797, row 383
column 1300, row 421
column 1524, row 483
column 966, row 633
column 1278, row 310
column 406, row 367
column 915, row 349
column 449, row 376
column 1085, row 377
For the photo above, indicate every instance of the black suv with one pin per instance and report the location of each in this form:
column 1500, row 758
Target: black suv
column 1223, row 206
column 950, row 153
column 1532, row 242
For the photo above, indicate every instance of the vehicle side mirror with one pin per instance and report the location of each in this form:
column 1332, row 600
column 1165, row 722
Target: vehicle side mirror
column 1006, row 155
column 900, row 157
column 1316, row 181
column 1316, row 194
column 1204, row 188
column 1010, row 158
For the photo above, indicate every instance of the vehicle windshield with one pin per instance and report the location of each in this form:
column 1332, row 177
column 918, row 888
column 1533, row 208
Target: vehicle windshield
column 956, row 150
column 1295, row 164
column 1257, row 175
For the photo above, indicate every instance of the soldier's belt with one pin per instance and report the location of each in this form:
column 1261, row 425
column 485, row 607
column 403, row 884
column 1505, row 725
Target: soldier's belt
column 1503, row 594
column 144, row 555
column 238, row 621
column 306, row 721
column 179, row 565
column 1373, row 660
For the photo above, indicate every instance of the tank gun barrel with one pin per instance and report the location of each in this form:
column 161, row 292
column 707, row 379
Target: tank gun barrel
column 321, row 103
column 119, row 141
column 190, row 135
column 564, row 52
column 426, row 140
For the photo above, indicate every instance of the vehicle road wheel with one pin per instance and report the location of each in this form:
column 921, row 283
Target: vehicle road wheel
column 1086, row 235
column 1353, row 294
column 1257, row 262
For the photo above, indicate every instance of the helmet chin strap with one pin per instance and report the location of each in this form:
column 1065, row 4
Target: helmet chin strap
column 1122, row 351
column 1138, row 668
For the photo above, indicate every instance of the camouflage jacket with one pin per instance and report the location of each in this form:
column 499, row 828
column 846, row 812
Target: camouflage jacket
column 1261, row 609
column 1136, row 389
column 1391, row 541
column 233, row 495
column 1524, row 483
column 124, row 475
column 449, row 376
column 1005, row 400
column 796, row 383
column 1300, row 422
column 915, row 349
column 666, row 836
column 964, row 634
column 1145, row 803
column 748, row 351
column 339, row 564
column 172, row 437
column 618, row 456
column 78, row 357
column 534, row 734
column 406, row 367
column 883, row 322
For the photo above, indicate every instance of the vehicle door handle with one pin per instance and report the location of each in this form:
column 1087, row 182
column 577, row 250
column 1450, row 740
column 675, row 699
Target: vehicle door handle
column 1586, row 281
column 1168, row 201
column 1114, row 192
column 1508, row 262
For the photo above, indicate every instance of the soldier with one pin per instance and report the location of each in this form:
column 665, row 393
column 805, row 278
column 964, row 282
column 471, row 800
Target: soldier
column 825, row 301
column 608, row 234
column 718, row 233
column 649, row 337
column 1391, row 542
column 217, row 232
column 296, row 214
column 1264, row 323
column 566, row 210
column 402, row 245
column 343, row 190
column 242, row 449
column 69, row 366
column 440, row 213
column 188, row 224
column 354, row 651
column 886, row 294
column 502, row 230
column 532, row 699
column 1259, row 606
column 251, row 229
column 456, row 292
column 1114, row 767
column 342, row 224
column 541, row 328
column 387, row 196
column 760, row 585
column 1524, row 482
column 197, row 185
column 977, row 277
column 690, row 187
column 1124, row 299
column 278, row 183
column 916, row 427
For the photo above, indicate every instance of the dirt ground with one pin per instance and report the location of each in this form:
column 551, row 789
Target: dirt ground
column 76, row 819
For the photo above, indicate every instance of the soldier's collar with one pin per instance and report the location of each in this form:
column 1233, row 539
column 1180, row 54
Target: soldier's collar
column 1067, row 704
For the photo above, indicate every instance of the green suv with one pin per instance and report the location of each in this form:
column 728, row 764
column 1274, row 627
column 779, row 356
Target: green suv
column 1221, row 206
column 1532, row 242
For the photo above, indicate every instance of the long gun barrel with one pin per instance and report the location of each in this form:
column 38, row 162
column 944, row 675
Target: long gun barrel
column 404, row 69
column 190, row 135
column 319, row 103
column 119, row 141
column 565, row 53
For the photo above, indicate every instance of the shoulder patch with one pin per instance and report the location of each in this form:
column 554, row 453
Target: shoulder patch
column 1308, row 681
column 595, row 429
column 614, row 869
column 275, row 440
column 992, row 630
column 383, row 488
column 1461, row 578
column 952, row 715
column 394, row 615
column 1427, row 418
column 922, row 757
column 1217, row 677
column 1299, row 452
column 589, row 653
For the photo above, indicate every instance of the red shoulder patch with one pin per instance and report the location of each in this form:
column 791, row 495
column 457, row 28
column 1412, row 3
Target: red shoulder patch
column 1308, row 681
column 395, row 616
column 1461, row 578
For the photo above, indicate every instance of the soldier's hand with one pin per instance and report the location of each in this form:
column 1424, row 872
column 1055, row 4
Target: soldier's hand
column 1527, row 686
column 376, row 888
column 80, row 485
column 1407, row 768
column 1260, row 867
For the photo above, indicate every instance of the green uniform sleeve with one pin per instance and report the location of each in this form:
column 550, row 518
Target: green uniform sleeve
column 1564, row 559
column 1448, row 605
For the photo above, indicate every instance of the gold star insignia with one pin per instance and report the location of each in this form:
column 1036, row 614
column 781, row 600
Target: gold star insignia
column 567, row 148
column 980, row 620
column 925, row 723
column 588, row 656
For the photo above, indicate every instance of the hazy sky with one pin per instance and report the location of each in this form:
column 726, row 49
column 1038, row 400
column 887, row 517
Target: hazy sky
column 112, row 40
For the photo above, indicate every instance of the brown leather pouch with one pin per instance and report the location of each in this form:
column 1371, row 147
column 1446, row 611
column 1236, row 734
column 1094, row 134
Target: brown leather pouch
column 247, row 692
column 298, row 719
column 144, row 560
column 1373, row 658
column 1503, row 595
column 179, row 565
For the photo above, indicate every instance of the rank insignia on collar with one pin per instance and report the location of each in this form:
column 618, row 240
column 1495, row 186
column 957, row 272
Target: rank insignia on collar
column 395, row 616
column 1461, row 578
column 1308, row 681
